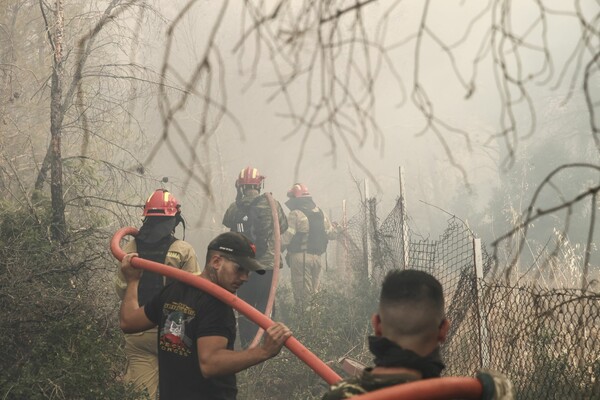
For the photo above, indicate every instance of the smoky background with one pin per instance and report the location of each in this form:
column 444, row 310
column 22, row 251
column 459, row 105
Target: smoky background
column 480, row 168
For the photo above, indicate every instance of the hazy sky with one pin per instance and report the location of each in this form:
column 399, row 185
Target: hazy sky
column 429, row 176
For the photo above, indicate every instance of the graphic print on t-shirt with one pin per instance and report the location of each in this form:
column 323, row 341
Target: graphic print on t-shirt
column 173, row 336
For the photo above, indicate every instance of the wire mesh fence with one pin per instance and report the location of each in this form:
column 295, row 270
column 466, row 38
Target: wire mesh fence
column 546, row 340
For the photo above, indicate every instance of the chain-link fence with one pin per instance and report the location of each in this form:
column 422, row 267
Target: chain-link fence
column 546, row 341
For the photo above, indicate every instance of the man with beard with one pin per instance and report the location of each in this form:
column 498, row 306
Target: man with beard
column 196, row 330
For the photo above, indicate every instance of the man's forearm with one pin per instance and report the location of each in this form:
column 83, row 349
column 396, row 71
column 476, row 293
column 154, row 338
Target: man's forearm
column 216, row 360
column 129, row 304
column 225, row 362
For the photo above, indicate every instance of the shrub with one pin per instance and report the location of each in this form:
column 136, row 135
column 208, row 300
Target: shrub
column 57, row 341
column 336, row 324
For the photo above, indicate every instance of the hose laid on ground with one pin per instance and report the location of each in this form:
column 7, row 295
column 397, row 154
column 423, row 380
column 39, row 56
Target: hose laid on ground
column 320, row 368
column 275, row 277
column 429, row 389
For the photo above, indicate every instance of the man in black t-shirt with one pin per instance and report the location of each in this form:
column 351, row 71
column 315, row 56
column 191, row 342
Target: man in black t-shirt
column 197, row 331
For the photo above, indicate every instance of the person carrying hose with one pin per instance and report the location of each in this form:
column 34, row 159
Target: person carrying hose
column 197, row 331
column 156, row 241
column 409, row 328
column 250, row 214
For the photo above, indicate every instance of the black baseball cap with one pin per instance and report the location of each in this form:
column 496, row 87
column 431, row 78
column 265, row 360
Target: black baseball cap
column 239, row 248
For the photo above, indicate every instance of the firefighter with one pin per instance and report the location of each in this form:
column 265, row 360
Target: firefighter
column 155, row 241
column 250, row 214
column 306, row 241
column 409, row 327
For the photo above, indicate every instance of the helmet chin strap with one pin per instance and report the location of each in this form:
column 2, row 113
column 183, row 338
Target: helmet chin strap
column 179, row 218
column 240, row 192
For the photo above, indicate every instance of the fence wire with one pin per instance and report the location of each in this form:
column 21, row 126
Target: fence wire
column 547, row 341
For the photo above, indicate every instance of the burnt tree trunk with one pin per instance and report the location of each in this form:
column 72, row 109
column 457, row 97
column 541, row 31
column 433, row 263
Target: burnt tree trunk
column 56, row 118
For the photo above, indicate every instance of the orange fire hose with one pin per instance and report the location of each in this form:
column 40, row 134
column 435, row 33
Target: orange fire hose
column 429, row 389
column 275, row 277
column 322, row 369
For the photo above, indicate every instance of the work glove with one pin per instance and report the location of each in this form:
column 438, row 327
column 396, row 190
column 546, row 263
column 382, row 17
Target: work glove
column 496, row 386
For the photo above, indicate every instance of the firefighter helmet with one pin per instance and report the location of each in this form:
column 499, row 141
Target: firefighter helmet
column 249, row 177
column 161, row 204
column 298, row 190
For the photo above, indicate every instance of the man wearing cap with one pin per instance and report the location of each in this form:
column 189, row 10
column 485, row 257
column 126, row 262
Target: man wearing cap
column 196, row 330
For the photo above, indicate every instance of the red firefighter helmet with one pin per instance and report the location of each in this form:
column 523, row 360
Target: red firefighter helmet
column 161, row 203
column 298, row 190
column 249, row 176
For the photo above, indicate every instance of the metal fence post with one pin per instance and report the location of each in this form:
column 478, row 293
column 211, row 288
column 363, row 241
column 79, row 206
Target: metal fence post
column 404, row 223
column 367, row 236
column 484, row 348
column 345, row 230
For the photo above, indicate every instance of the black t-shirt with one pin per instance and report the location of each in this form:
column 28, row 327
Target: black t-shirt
column 184, row 314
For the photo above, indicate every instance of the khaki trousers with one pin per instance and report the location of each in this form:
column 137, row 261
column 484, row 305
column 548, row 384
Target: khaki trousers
column 305, row 275
column 141, row 350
